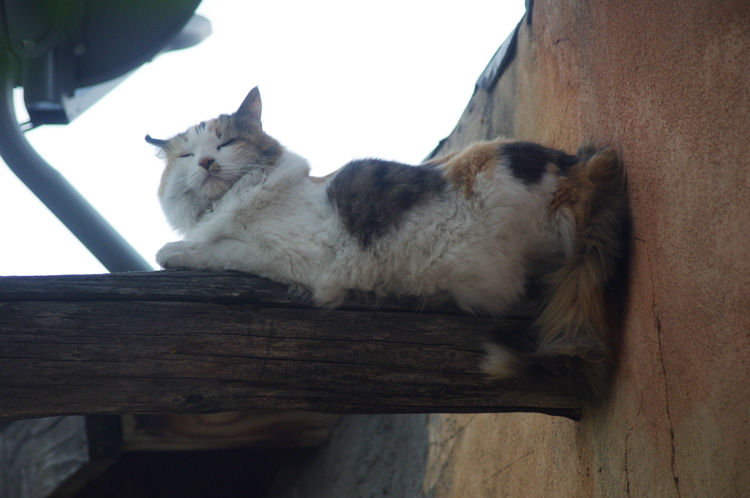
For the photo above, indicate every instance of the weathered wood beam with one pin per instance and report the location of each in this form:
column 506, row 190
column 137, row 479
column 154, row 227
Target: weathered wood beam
column 200, row 342
column 226, row 430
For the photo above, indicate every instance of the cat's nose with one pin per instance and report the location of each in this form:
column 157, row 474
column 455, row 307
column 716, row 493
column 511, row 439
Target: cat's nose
column 206, row 162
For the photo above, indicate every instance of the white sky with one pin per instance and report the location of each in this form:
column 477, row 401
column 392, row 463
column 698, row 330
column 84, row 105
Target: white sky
column 339, row 80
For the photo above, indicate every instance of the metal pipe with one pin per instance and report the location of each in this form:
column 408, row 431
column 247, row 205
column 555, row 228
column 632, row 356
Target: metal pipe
column 99, row 237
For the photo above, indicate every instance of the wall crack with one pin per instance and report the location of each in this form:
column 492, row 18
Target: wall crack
column 666, row 396
column 511, row 464
column 657, row 324
column 627, row 463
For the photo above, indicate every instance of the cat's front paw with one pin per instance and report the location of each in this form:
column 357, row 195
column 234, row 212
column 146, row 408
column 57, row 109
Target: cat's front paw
column 174, row 255
column 329, row 296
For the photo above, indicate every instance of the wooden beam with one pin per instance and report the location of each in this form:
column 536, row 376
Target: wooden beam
column 201, row 342
column 226, row 430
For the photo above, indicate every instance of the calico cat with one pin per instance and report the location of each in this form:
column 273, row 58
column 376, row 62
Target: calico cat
column 473, row 226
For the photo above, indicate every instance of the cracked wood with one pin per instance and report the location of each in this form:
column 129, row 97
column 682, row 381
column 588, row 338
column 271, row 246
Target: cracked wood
column 200, row 342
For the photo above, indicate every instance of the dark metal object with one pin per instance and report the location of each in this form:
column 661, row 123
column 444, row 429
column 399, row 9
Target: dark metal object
column 72, row 52
column 54, row 191
column 67, row 54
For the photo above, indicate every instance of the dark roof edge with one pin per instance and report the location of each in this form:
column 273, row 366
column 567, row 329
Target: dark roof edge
column 499, row 62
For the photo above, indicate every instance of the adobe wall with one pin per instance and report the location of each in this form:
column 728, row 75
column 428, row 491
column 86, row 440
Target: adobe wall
column 667, row 84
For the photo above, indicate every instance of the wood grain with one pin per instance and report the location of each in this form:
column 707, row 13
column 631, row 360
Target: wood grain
column 226, row 430
column 200, row 342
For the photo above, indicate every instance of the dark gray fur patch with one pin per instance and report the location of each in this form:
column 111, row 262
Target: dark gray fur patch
column 528, row 161
column 372, row 196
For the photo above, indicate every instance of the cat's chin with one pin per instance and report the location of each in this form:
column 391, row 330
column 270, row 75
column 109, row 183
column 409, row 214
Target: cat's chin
column 214, row 186
column 209, row 179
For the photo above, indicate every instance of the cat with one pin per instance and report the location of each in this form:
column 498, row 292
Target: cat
column 474, row 226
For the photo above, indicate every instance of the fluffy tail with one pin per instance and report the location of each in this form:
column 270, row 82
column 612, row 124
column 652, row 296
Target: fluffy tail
column 575, row 331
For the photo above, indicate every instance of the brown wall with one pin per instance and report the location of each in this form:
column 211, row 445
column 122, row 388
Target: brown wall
column 668, row 84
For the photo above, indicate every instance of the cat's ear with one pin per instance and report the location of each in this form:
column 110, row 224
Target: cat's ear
column 156, row 141
column 251, row 107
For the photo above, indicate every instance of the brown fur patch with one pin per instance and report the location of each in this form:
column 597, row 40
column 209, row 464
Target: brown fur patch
column 164, row 175
column 578, row 193
column 260, row 148
column 437, row 161
column 576, row 321
column 574, row 194
column 215, row 127
column 463, row 167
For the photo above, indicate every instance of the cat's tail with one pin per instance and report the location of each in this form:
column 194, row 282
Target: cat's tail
column 575, row 331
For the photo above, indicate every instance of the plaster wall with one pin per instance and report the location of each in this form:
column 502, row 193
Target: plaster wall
column 667, row 84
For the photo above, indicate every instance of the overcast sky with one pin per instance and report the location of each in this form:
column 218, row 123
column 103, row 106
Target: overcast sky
column 339, row 80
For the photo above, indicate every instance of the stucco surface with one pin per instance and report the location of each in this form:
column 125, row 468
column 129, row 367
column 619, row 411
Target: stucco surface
column 668, row 85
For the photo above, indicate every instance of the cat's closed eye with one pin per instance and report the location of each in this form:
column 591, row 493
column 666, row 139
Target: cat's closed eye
column 227, row 143
column 187, row 155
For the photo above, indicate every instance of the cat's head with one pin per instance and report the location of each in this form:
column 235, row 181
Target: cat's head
column 203, row 162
